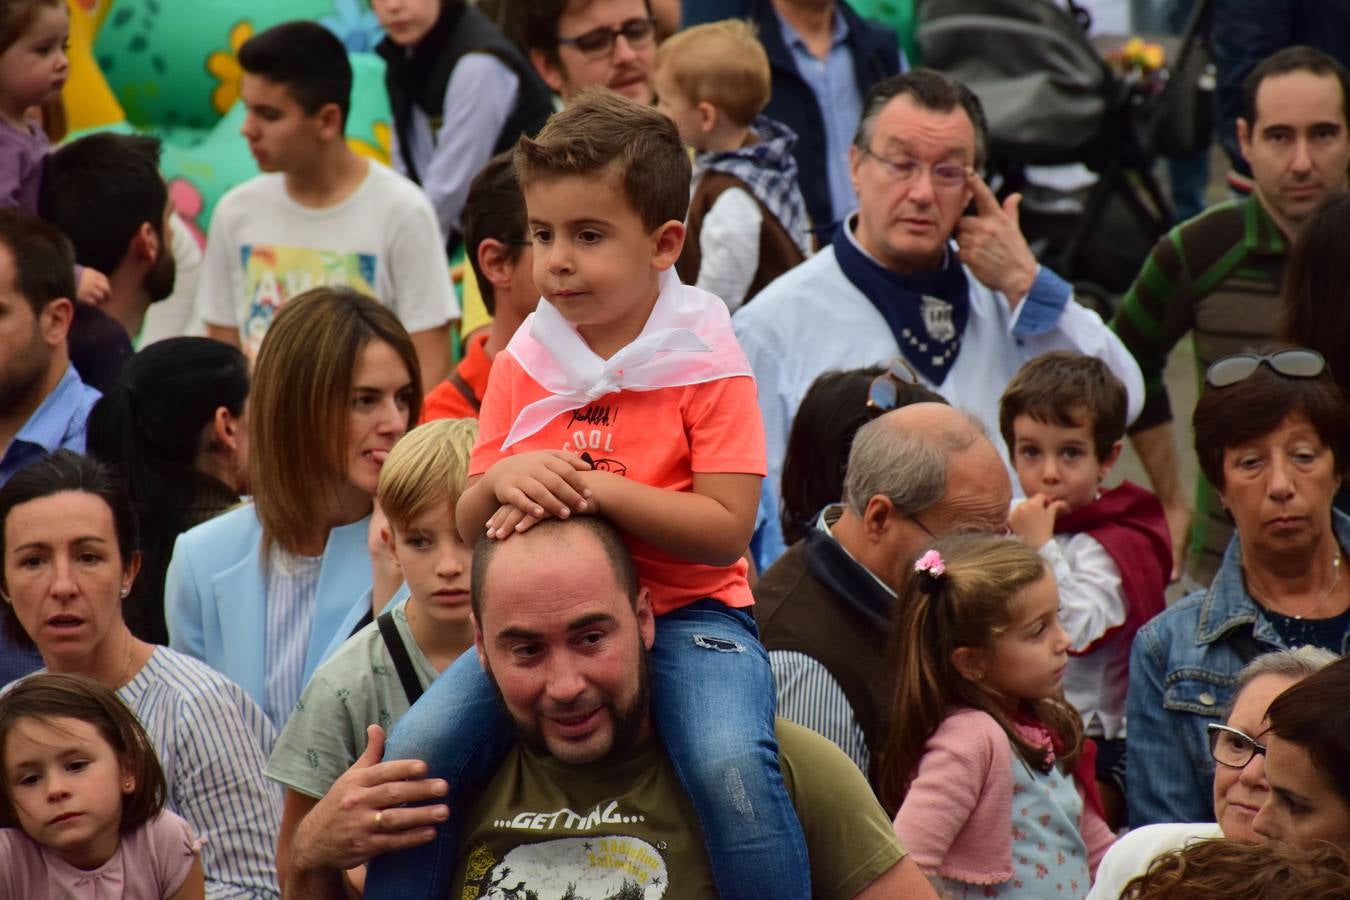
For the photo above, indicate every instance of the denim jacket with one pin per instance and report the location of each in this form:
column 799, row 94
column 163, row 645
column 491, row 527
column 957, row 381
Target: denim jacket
column 1183, row 671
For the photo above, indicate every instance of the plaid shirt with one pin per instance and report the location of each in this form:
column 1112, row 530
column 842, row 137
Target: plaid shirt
column 769, row 170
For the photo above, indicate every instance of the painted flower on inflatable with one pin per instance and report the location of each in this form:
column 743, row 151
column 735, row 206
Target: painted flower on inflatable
column 378, row 151
column 355, row 25
column 224, row 64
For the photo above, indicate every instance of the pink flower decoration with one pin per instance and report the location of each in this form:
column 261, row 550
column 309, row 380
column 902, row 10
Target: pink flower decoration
column 931, row 562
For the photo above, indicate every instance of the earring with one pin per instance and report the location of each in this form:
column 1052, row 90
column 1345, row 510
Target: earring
column 125, row 591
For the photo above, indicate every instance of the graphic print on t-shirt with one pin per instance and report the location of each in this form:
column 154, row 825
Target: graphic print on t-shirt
column 611, row 867
column 274, row 274
column 590, row 435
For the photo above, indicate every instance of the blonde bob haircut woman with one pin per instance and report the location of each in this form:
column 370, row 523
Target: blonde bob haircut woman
column 302, row 392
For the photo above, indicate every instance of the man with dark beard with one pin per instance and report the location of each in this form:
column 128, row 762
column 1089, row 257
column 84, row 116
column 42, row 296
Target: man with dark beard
column 106, row 193
column 43, row 403
column 587, row 804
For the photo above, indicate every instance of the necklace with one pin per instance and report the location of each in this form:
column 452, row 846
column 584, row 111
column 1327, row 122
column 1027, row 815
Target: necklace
column 126, row 668
column 1317, row 607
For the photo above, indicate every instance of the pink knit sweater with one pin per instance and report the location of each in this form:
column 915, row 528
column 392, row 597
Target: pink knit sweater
column 956, row 820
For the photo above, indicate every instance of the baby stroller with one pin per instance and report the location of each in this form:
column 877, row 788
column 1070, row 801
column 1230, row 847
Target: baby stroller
column 1052, row 99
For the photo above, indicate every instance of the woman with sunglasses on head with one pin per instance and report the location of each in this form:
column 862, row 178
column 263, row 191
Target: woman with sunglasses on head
column 1272, row 433
column 1237, row 750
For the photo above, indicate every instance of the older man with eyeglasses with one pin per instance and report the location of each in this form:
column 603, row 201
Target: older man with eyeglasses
column 931, row 267
column 1238, row 749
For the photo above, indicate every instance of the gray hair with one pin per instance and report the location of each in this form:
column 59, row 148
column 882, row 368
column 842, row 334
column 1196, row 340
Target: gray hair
column 907, row 467
column 930, row 90
column 1295, row 664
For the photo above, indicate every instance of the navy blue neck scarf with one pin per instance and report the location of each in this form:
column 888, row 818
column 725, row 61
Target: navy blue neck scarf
column 927, row 312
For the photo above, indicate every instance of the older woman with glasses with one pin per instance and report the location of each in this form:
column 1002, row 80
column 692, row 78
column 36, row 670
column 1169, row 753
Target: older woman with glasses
column 1273, row 436
column 1240, row 786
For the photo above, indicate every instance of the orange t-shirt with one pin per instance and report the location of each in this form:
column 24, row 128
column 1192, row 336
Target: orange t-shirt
column 660, row 438
column 446, row 400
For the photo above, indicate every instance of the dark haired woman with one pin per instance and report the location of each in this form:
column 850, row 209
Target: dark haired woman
column 174, row 429
column 1272, row 433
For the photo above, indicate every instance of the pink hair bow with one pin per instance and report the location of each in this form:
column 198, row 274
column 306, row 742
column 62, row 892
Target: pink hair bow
column 931, row 564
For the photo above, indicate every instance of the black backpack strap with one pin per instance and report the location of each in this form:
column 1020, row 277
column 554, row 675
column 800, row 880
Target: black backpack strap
column 399, row 654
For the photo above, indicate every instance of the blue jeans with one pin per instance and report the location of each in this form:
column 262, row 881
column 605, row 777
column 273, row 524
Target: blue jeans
column 713, row 705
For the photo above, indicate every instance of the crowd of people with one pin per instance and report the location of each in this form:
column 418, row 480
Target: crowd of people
column 759, row 539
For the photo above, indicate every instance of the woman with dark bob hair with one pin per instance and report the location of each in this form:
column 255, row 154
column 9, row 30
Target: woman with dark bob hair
column 1308, row 762
column 1272, row 433
column 68, row 560
column 174, row 429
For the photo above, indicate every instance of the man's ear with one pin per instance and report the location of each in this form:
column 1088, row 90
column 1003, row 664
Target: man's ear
column 548, row 71
column 1244, row 138
column 54, row 323
column 970, row 663
column 642, row 608
column 145, row 244
column 877, row 516
column 329, row 118
column 854, row 161
column 494, row 258
column 667, row 243
column 479, row 645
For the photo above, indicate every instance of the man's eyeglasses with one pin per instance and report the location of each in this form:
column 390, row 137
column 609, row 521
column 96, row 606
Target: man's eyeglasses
column 600, row 41
column 884, row 393
column 1297, row 362
column 945, row 175
column 1231, row 747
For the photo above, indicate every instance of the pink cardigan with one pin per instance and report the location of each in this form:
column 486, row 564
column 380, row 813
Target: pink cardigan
column 956, row 820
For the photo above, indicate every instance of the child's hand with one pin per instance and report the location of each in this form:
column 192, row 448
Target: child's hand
column 1033, row 520
column 93, row 287
column 536, row 484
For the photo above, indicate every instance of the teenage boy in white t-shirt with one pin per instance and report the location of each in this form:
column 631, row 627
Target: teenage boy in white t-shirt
column 319, row 213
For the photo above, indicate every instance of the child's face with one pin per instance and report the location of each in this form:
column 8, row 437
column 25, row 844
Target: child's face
column 67, row 785
column 673, row 103
column 594, row 260
column 1059, row 462
column 406, row 21
column 1029, row 658
column 435, row 563
column 34, row 68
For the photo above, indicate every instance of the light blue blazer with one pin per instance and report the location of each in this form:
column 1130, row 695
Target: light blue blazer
column 215, row 595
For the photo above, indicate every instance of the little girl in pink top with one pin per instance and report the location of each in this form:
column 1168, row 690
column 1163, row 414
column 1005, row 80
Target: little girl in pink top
column 86, row 792
column 986, row 762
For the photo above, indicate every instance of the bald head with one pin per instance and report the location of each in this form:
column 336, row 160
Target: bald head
column 546, row 550
column 906, row 455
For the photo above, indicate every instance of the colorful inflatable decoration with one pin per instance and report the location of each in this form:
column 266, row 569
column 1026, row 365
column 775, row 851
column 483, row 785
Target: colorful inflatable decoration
column 171, row 68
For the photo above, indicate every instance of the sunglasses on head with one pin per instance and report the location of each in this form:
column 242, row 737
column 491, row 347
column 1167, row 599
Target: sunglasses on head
column 1297, row 362
column 884, row 393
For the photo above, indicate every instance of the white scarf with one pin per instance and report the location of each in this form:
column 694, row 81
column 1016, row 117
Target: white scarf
column 687, row 340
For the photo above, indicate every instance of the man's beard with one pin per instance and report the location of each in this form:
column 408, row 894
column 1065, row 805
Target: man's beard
column 22, row 377
column 627, row 722
column 159, row 281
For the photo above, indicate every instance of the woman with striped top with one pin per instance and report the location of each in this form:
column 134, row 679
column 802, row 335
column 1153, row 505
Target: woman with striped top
column 68, row 546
